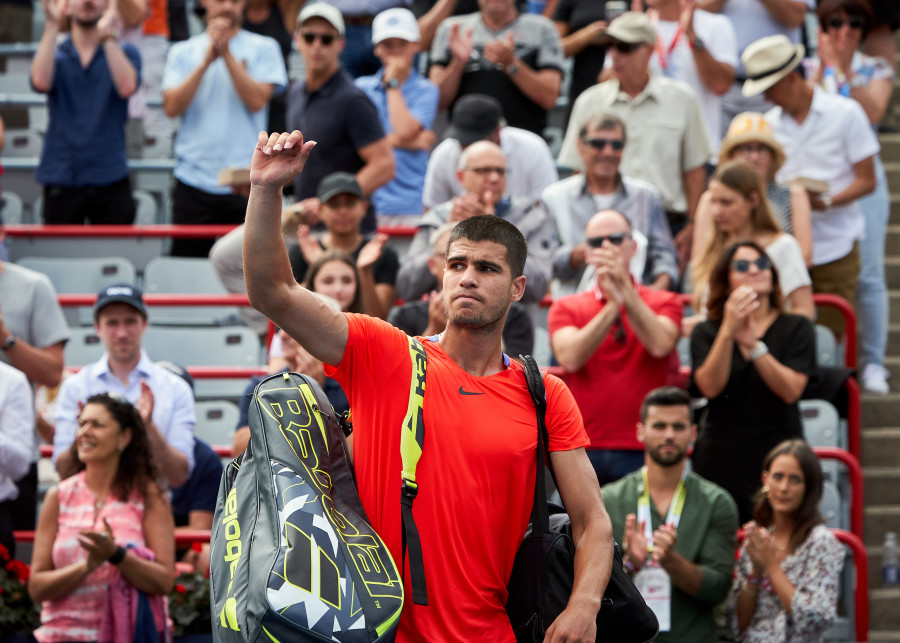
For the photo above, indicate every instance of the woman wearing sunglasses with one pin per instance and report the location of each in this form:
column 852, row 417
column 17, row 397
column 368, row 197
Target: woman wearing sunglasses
column 751, row 361
column 842, row 69
column 739, row 211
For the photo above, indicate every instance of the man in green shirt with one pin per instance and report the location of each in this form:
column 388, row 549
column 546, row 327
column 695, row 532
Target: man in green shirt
column 678, row 530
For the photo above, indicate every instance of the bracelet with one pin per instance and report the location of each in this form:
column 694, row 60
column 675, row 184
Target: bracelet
column 753, row 580
column 629, row 566
column 118, row 556
column 750, row 588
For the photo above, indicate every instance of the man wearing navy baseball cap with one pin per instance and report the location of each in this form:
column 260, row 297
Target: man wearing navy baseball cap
column 163, row 399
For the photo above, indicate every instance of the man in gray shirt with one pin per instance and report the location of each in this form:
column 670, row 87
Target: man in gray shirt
column 574, row 200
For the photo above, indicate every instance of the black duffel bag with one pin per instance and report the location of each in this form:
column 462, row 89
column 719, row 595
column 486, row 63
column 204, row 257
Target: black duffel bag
column 544, row 569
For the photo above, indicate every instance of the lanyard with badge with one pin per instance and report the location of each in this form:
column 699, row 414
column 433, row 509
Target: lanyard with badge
column 665, row 55
column 652, row 580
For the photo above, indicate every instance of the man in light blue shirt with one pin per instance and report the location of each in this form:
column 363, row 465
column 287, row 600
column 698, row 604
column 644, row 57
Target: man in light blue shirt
column 407, row 104
column 219, row 83
column 163, row 399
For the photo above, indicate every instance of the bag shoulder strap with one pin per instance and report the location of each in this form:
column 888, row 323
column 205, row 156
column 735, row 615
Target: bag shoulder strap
column 412, row 441
column 540, row 514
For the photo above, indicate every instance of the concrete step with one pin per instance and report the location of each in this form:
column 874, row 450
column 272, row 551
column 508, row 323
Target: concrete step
column 892, row 239
column 884, row 617
column 890, row 147
column 882, row 410
column 892, row 169
column 880, row 519
column 881, row 446
column 881, row 484
column 894, row 296
column 893, row 339
column 895, row 206
column 892, row 271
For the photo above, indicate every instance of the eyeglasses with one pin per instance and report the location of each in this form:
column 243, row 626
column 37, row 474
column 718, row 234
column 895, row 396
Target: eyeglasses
column 484, row 171
column 854, row 23
column 626, row 47
column 750, row 148
column 616, row 239
column 743, row 265
column 310, row 37
column 599, row 143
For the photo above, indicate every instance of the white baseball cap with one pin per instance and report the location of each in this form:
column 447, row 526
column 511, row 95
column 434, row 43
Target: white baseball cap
column 324, row 11
column 395, row 23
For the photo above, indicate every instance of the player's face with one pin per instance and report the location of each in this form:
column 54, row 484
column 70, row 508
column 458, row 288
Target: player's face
column 667, row 433
column 121, row 328
column 597, row 150
column 336, row 280
column 478, row 285
column 320, row 45
column 99, row 437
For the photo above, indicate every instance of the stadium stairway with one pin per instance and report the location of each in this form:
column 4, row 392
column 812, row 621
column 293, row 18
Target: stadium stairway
column 881, row 415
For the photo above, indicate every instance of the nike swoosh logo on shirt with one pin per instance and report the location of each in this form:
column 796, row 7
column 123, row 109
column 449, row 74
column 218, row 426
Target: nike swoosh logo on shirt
column 465, row 392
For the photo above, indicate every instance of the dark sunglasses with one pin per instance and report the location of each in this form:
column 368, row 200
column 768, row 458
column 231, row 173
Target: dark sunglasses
column 626, row 47
column 326, row 38
column 599, row 143
column 743, row 265
column 854, row 23
column 616, row 239
column 484, row 171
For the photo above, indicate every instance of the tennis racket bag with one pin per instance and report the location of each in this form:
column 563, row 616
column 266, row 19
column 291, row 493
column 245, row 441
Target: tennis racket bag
column 293, row 556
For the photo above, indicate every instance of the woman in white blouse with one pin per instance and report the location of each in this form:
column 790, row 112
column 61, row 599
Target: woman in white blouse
column 740, row 212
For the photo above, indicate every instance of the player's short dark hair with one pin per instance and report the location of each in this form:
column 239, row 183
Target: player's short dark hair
column 492, row 228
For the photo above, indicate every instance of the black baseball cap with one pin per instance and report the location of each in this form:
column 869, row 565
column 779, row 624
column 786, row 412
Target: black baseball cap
column 338, row 183
column 120, row 293
column 475, row 117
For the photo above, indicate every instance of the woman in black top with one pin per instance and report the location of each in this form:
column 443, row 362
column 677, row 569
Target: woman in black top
column 754, row 361
column 580, row 24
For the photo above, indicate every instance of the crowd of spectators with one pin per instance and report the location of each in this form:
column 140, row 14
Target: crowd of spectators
column 708, row 153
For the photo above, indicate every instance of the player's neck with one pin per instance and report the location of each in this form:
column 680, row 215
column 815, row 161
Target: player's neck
column 343, row 242
column 668, row 10
column 122, row 370
column 315, row 79
column 85, row 38
column 477, row 352
column 496, row 21
column 602, row 184
column 632, row 86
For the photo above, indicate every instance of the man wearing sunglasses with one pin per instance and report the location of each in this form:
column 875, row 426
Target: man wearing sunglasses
column 673, row 148
column 614, row 341
column 574, row 200
column 328, row 108
column 219, row 82
column 482, row 172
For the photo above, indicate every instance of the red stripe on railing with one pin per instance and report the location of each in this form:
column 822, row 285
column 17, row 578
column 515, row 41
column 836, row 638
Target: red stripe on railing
column 856, row 483
column 861, row 593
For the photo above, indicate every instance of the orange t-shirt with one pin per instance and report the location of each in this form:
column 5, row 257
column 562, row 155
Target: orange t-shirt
column 476, row 475
column 157, row 22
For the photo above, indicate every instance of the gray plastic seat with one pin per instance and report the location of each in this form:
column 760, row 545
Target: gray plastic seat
column 83, row 347
column 821, row 423
column 79, row 276
column 828, row 352
column 182, row 275
column 12, row 208
column 216, row 422
column 23, row 143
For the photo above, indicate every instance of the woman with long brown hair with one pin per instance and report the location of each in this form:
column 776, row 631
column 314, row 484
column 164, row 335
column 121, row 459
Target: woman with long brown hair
column 786, row 582
column 752, row 361
column 113, row 500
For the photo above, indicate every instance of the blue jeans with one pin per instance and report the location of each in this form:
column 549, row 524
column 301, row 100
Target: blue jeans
column 871, row 290
column 613, row 464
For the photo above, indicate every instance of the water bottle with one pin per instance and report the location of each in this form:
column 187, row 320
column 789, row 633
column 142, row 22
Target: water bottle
column 890, row 560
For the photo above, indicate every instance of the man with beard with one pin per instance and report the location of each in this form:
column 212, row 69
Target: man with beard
column 677, row 529
column 477, row 473
column 615, row 341
column 88, row 79
column 219, row 82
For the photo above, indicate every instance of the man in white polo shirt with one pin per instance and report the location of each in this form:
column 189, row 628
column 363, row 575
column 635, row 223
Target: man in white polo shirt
column 825, row 137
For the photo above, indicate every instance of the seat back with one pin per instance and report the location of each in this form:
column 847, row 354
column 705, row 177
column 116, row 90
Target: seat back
column 23, row 143
column 12, row 208
column 216, row 422
column 828, row 352
column 183, row 275
column 821, row 423
column 83, row 347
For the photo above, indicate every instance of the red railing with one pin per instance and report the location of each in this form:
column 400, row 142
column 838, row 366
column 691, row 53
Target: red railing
column 861, row 590
column 155, row 230
column 855, row 473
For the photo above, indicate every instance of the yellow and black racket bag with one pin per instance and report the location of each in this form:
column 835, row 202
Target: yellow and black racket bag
column 293, row 556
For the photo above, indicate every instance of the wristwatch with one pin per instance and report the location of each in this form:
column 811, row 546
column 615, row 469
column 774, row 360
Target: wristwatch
column 826, row 200
column 512, row 68
column 758, row 350
column 697, row 44
column 9, row 342
column 393, row 83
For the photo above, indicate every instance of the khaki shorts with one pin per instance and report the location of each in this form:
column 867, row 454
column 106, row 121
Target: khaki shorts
column 837, row 277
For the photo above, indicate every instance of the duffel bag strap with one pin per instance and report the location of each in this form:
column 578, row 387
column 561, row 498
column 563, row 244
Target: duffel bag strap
column 540, row 514
column 412, row 440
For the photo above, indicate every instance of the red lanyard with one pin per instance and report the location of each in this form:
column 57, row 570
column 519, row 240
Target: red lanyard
column 665, row 55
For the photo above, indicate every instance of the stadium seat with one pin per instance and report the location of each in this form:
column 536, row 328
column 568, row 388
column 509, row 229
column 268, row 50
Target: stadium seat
column 828, row 353
column 81, row 276
column 171, row 275
column 821, row 423
column 83, row 347
column 146, row 208
column 11, row 207
column 833, row 509
column 219, row 346
column 23, row 143
column 216, row 421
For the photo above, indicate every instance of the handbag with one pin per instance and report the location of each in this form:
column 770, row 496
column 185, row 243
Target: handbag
column 544, row 568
